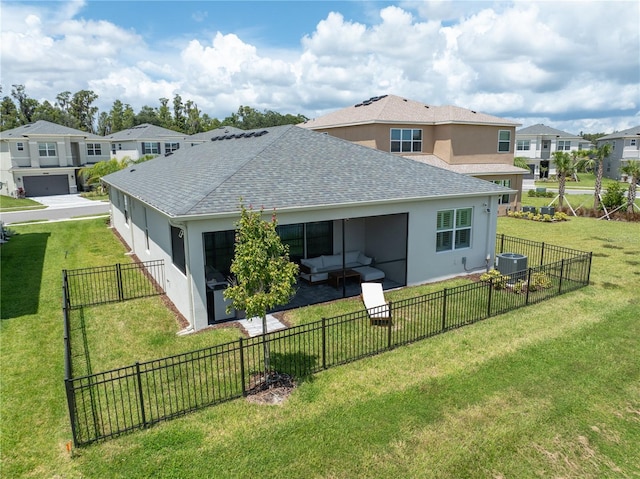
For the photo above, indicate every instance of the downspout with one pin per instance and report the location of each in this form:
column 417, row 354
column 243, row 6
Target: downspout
column 187, row 260
column 493, row 221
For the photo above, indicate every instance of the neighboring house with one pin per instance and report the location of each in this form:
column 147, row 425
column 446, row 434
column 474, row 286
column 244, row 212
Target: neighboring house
column 625, row 146
column 44, row 158
column 537, row 143
column 450, row 137
column 418, row 222
column 146, row 139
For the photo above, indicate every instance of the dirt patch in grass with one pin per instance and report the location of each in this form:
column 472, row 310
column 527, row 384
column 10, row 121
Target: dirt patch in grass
column 272, row 392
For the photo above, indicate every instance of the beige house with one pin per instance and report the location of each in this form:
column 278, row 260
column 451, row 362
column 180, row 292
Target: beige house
column 449, row 137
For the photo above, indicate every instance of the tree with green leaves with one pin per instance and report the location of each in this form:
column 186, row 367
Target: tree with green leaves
column 521, row 162
column 565, row 166
column 81, row 107
column 632, row 169
column 263, row 276
column 94, row 173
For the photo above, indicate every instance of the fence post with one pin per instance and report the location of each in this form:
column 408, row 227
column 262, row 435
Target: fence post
column 119, row 279
column 324, row 343
column 502, row 243
column 389, row 327
column 444, row 308
column 490, row 295
column 242, row 373
column 561, row 276
column 140, row 396
column 542, row 254
column 526, row 301
column 71, row 404
column 589, row 266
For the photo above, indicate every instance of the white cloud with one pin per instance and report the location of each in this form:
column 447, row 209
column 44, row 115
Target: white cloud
column 559, row 61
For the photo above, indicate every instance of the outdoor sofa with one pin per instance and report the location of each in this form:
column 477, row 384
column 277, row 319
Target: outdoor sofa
column 316, row 270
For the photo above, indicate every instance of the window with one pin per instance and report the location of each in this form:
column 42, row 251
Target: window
column 453, row 229
column 219, row 249
column 150, row 148
column 632, row 142
column 307, row 240
column 406, row 140
column 504, row 199
column 94, row 149
column 171, row 147
column 146, row 230
column 20, row 146
column 47, row 149
column 177, row 249
column 523, row 145
column 126, row 208
column 504, row 141
column 564, row 145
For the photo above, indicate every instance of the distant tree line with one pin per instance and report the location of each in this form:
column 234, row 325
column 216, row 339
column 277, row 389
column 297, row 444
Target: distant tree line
column 78, row 111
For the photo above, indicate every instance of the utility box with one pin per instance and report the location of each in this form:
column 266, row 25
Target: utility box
column 513, row 265
column 529, row 209
column 548, row 210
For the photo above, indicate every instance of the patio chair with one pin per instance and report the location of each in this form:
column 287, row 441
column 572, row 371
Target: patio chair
column 377, row 307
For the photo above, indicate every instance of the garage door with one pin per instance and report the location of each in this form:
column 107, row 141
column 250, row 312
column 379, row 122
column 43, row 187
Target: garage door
column 46, row 185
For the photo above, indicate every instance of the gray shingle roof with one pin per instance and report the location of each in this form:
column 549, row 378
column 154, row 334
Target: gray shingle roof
column 394, row 109
column 629, row 132
column 43, row 127
column 145, row 132
column 541, row 129
column 287, row 167
column 207, row 135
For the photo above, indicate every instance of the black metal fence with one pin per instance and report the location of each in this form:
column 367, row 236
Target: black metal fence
column 110, row 403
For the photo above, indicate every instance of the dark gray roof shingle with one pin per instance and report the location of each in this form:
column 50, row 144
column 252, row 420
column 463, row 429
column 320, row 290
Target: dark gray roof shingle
column 43, row 127
column 287, row 167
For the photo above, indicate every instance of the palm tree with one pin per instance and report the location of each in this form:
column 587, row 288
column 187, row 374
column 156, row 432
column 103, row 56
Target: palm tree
column 600, row 154
column 565, row 166
column 93, row 174
column 631, row 168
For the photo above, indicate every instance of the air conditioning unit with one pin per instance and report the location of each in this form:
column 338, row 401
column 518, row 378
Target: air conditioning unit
column 513, row 265
column 548, row 210
column 529, row 209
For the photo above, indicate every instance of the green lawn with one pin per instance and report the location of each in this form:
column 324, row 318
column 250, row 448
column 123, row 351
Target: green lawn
column 551, row 390
column 8, row 203
column 587, row 181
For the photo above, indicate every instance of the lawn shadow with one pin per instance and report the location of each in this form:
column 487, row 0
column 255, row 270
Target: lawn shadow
column 21, row 274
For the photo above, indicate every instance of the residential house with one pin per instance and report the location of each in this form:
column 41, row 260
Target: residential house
column 415, row 222
column 449, row 137
column 146, row 139
column 625, row 146
column 537, row 143
column 44, row 158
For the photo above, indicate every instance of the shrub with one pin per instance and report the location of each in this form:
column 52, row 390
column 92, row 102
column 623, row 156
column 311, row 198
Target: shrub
column 499, row 280
column 538, row 281
column 614, row 197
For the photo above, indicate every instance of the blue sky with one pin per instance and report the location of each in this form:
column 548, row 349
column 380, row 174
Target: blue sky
column 573, row 65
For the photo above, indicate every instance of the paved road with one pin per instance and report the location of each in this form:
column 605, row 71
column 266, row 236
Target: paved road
column 59, row 207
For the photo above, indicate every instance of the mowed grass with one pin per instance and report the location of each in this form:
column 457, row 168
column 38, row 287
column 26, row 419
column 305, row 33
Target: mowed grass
column 8, row 203
column 552, row 390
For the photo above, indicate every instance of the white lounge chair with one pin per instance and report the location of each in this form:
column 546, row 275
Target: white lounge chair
column 377, row 307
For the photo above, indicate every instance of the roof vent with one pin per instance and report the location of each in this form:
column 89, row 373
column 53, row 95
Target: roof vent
column 472, row 111
column 358, row 104
column 132, row 170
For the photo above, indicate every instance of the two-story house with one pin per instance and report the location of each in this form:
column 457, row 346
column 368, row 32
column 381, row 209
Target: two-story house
column 457, row 139
column 146, row 139
column 537, row 143
column 625, row 146
column 44, row 158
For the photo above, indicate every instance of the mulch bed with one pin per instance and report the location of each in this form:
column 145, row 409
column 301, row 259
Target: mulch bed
column 275, row 390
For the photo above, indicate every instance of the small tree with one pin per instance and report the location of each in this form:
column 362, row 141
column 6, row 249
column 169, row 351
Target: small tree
column 631, row 168
column 565, row 167
column 600, row 154
column 263, row 275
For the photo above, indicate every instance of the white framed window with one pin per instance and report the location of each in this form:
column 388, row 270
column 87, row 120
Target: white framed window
column 150, row 148
column 47, row 149
column 523, row 145
column 504, row 141
column 20, row 146
column 564, row 145
column 146, row 230
column 633, row 142
column 503, row 199
column 126, row 209
column 94, row 149
column 406, row 140
column 171, row 147
column 453, row 229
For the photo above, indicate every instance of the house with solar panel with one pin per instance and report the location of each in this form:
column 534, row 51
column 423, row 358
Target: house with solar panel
column 44, row 158
column 339, row 206
column 456, row 139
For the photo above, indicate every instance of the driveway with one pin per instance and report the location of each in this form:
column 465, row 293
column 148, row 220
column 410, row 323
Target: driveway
column 59, row 207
